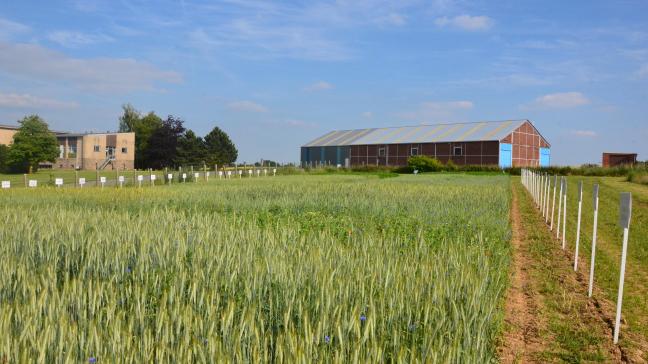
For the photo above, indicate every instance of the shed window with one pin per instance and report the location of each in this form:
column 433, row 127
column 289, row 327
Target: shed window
column 381, row 152
column 458, row 151
column 96, row 148
column 414, row 151
column 124, row 150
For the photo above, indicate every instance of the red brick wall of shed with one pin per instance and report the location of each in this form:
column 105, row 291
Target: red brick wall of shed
column 526, row 142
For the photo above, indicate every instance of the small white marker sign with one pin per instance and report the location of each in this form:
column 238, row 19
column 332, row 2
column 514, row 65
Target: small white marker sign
column 170, row 176
column 152, row 177
column 58, row 182
column 140, row 178
column 102, row 179
column 121, row 179
column 196, row 175
column 6, row 184
column 82, row 181
column 625, row 210
column 32, row 183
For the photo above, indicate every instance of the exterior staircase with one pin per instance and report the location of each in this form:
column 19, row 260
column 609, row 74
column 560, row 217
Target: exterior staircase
column 106, row 162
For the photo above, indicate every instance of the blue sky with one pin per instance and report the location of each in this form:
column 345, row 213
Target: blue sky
column 276, row 75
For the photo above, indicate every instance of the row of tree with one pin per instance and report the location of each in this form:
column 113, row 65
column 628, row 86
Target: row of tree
column 164, row 143
column 158, row 143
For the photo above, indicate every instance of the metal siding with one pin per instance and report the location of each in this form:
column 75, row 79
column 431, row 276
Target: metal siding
column 480, row 131
column 545, row 157
column 505, row 155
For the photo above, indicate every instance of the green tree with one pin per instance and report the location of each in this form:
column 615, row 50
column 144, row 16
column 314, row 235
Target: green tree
column 191, row 150
column 143, row 127
column 4, row 155
column 163, row 143
column 129, row 119
column 220, row 149
column 32, row 144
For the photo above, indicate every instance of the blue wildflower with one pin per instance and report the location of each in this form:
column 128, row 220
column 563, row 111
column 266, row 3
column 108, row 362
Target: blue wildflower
column 363, row 318
column 92, row 360
column 128, row 269
column 327, row 339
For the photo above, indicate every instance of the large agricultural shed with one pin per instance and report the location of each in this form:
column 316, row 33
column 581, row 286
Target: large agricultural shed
column 511, row 143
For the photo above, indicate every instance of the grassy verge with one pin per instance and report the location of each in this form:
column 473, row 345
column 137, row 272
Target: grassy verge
column 572, row 330
column 634, row 332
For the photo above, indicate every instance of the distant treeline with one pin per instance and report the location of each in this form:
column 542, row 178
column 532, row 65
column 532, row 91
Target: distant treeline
column 163, row 143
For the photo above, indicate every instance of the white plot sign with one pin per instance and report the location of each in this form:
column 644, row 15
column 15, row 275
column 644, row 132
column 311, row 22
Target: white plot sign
column 58, row 182
column 121, row 180
column 6, row 184
column 82, row 181
column 103, row 181
column 152, row 177
column 33, row 183
column 625, row 213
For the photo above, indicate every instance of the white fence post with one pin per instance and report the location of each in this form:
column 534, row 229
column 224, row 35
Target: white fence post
column 553, row 201
column 624, row 221
column 578, row 223
column 564, row 226
column 593, row 259
column 560, row 199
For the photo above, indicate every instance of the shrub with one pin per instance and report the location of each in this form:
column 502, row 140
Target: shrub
column 424, row 163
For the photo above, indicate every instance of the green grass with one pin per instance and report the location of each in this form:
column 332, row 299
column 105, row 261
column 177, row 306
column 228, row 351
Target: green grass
column 277, row 269
column 569, row 331
column 608, row 255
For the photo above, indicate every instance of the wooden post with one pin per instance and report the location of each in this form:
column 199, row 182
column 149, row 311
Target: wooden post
column 97, row 177
column 25, row 179
column 76, row 178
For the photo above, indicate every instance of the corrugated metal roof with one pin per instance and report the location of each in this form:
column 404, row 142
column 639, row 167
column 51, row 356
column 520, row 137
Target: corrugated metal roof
column 478, row 131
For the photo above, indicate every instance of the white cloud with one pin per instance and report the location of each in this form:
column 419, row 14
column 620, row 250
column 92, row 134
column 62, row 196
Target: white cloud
column 95, row 74
column 75, row 39
column 585, row 133
column 437, row 110
column 643, row 71
column 9, row 28
column 246, row 105
column 293, row 123
column 26, row 101
column 393, row 19
column 560, row 100
column 466, row 22
column 319, row 86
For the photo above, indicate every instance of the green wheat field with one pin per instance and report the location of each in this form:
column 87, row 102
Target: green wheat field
column 337, row 268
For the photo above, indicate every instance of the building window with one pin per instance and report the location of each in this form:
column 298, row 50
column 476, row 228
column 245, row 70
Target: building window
column 381, row 152
column 458, row 151
column 96, row 148
column 72, row 151
column 414, row 151
column 124, row 150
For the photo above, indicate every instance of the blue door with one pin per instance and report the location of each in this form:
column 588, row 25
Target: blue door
column 545, row 157
column 505, row 155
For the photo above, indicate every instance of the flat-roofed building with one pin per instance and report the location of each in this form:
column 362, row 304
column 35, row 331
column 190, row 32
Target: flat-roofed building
column 86, row 150
column 619, row 159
